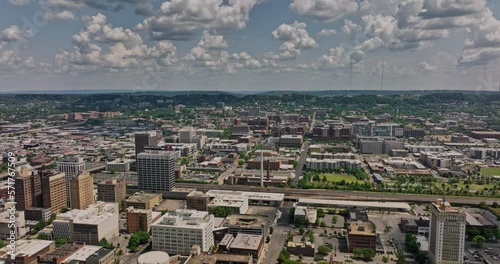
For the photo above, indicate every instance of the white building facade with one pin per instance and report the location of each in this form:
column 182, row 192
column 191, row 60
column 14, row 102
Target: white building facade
column 177, row 232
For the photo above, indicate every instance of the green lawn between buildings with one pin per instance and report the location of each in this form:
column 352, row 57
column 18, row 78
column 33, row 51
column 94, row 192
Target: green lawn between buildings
column 338, row 177
column 491, row 171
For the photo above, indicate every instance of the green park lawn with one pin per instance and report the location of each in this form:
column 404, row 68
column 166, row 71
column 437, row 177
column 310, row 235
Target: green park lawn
column 339, row 177
column 491, row 171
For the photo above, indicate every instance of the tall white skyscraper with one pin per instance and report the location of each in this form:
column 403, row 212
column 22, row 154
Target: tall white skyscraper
column 156, row 170
column 71, row 166
column 447, row 234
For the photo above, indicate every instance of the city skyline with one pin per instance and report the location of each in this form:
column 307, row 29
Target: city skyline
column 251, row 45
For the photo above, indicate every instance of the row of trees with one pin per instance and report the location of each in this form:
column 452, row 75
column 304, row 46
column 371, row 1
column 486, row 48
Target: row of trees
column 487, row 233
column 413, row 246
column 42, row 224
column 138, row 238
column 284, row 258
column 410, row 185
column 364, row 253
column 219, row 211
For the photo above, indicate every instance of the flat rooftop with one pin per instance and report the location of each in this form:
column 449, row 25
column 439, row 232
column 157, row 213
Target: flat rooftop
column 142, row 197
column 63, row 251
column 99, row 254
column 131, row 209
column 184, row 219
column 251, row 195
column 362, row 228
column 121, row 161
column 94, row 214
column 472, row 221
column 362, row 204
column 28, row 247
column 246, row 241
column 213, row 259
column 299, row 244
column 83, row 253
column 247, row 220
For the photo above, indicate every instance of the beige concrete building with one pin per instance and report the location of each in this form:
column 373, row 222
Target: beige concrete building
column 54, row 192
column 82, row 190
column 28, row 189
column 28, row 250
column 141, row 200
column 447, row 233
column 7, row 225
column 71, row 166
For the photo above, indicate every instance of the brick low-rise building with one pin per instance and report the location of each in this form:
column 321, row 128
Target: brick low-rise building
column 197, row 200
column 112, row 191
column 361, row 235
column 140, row 219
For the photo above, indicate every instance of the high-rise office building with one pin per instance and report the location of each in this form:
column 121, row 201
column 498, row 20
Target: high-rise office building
column 40, row 190
column 186, row 135
column 144, row 139
column 254, row 111
column 23, row 187
column 112, row 191
column 28, row 189
column 54, row 192
column 82, row 190
column 447, row 234
column 71, row 167
column 156, row 170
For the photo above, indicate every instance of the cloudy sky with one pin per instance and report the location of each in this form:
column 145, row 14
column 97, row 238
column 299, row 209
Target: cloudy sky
column 249, row 45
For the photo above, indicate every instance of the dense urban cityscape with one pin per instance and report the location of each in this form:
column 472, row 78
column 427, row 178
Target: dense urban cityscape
column 264, row 178
column 249, row 132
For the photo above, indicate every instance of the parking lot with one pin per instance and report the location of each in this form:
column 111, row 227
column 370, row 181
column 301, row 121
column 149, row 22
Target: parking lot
column 489, row 252
column 388, row 230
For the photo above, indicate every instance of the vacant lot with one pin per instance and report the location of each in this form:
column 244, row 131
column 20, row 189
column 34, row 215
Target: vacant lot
column 491, row 171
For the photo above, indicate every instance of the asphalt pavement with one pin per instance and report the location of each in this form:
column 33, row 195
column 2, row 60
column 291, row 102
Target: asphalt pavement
column 278, row 237
column 302, row 161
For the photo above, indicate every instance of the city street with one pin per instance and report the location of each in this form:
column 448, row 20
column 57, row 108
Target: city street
column 131, row 258
column 302, row 161
column 278, row 238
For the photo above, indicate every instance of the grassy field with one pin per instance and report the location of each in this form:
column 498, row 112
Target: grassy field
column 496, row 211
column 339, row 177
column 491, row 171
